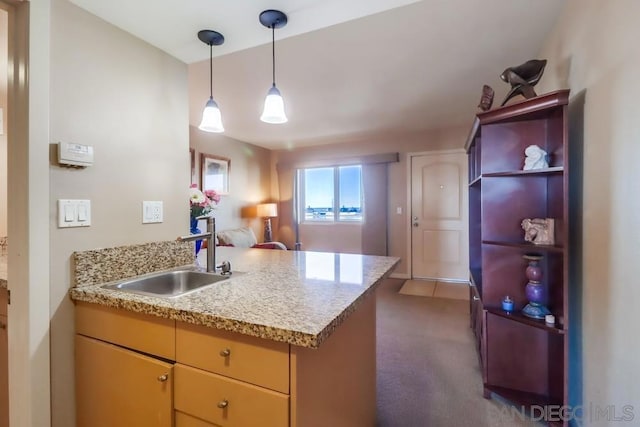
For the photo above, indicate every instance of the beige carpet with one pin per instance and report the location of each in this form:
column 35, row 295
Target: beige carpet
column 428, row 370
column 435, row 289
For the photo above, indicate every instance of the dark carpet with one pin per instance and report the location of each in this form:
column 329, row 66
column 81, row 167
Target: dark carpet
column 428, row 369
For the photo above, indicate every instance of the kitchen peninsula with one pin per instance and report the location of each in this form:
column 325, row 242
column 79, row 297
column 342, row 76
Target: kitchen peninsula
column 289, row 340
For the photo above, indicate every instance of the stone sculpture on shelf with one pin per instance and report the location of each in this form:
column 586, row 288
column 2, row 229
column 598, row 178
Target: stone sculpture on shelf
column 486, row 100
column 523, row 78
column 539, row 231
column 535, row 158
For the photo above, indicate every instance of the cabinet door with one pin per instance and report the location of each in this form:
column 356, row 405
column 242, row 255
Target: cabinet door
column 119, row 387
column 4, row 373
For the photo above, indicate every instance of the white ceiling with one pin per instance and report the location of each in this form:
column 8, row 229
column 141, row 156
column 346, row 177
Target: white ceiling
column 346, row 68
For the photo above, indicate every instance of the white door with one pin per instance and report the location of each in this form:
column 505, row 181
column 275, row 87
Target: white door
column 439, row 225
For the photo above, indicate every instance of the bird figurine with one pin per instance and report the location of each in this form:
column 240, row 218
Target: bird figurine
column 523, row 78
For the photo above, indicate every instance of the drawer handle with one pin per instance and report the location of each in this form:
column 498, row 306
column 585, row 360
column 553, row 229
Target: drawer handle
column 162, row 378
column 225, row 353
column 223, row 404
column 475, row 298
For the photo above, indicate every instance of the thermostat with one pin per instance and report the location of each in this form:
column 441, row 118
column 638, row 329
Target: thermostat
column 75, row 154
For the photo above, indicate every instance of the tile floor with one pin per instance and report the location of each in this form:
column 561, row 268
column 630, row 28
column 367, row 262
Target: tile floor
column 435, row 289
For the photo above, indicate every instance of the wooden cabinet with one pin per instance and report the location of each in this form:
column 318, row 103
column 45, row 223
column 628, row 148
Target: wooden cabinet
column 220, row 378
column 120, row 387
column 4, row 360
column 523, row 359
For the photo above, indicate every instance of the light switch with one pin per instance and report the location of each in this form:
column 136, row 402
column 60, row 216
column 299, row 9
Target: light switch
column 69, row 213
column 74, row 213
column 82, row 213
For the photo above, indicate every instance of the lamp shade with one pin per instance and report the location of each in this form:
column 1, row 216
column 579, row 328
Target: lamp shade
column 267, row 210
column 211, row 118
column 273, row 107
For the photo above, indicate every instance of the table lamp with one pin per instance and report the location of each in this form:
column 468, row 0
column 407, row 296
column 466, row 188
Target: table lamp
column 267, row 211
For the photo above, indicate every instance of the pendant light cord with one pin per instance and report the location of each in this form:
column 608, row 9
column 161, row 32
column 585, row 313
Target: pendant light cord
column 273, row 52
column 211, row 70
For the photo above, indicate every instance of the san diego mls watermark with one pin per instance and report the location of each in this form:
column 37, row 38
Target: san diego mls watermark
column 561, row 413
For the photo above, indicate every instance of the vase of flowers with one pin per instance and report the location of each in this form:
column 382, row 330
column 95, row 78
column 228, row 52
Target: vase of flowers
column 201, row 203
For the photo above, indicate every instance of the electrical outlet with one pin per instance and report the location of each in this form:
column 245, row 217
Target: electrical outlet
column 151, row 212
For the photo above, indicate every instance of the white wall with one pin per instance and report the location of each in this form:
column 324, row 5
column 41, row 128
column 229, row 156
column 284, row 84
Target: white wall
column 249, row 179
column 594, row 51
column 398, row 183
column 129, row 101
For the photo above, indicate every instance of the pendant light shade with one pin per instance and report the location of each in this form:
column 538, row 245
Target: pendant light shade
column 273, row 107
column 211, row 117
column 273, row 104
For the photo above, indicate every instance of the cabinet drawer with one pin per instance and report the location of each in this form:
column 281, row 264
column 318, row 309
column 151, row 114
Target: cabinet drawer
column 199, row 393
column 254, row 360
column 184, row 420
column 146, row 333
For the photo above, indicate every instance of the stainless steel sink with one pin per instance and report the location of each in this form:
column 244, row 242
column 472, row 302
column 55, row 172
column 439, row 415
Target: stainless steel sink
column 168, row 284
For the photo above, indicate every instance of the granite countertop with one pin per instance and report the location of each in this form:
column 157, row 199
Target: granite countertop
column 3, row 271
column 289, row 296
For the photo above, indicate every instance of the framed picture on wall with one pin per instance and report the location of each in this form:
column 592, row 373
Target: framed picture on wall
column 192, row 155
column 214, row 173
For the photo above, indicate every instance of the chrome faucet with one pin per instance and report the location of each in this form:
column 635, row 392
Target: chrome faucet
column 210, row 235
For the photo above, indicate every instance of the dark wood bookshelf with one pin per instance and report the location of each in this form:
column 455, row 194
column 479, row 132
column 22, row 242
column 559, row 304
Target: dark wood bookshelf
column 547, row 171
column 521, row 318
column 529, row 247
column 523, row 360
column 475, row 182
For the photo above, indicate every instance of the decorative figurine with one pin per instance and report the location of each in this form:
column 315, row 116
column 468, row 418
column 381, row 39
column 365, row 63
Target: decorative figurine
column 539, row 231
column 535, row 291
column 523, row 78
column 487, row 98
column 536, row 158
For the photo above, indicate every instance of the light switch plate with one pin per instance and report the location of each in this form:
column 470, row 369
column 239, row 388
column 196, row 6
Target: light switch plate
column 74, row 213
column 152, row 212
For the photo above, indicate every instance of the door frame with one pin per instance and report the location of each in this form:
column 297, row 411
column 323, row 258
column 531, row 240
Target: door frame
column 28, row 229
column 410, row 156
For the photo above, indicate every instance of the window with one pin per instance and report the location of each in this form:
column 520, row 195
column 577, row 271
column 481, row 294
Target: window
column 331, row 194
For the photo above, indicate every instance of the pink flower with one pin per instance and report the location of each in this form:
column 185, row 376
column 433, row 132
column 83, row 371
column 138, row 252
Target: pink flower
column 202, row 203
column 211, row 194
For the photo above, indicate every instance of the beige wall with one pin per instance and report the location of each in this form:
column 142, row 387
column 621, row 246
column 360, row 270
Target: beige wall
column 593, row 50
column 3, row 105
column 398, row 173
column 129, row 101
column 249, row 178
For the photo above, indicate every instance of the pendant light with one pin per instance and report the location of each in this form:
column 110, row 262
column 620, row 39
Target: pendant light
column 211, row 117
column 273, row 104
